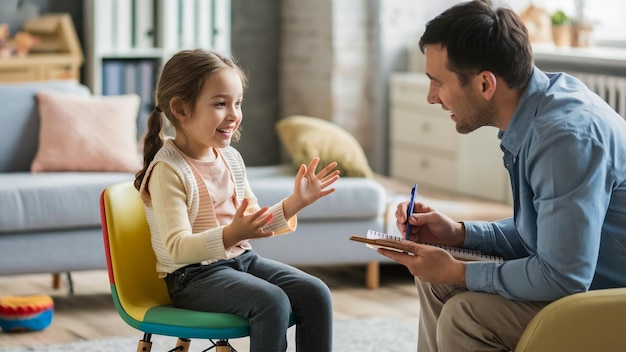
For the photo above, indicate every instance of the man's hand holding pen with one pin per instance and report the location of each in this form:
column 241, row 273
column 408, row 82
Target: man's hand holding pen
column 422, row 224
column 429, row 225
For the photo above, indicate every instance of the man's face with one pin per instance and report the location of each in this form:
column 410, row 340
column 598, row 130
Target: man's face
column 467, row 107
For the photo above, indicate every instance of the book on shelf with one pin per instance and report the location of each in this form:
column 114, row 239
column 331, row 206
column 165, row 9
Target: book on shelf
column 143, row 22
column 170, row 29
column 146, row 79
column 113, row 77
column 122, row 25
column 376, row 239
column 221, row 27
column 188, row 27
column 130, row 77
column 204, row 30
column 103, row 21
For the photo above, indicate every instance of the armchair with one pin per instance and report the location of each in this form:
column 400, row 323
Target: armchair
column 587, row 321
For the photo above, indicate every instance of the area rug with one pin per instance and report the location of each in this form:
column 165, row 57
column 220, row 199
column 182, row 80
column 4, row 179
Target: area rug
column 355, row 335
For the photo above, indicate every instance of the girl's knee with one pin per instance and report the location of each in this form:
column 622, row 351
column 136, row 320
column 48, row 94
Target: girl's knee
column 317, row 290
column 271, row 297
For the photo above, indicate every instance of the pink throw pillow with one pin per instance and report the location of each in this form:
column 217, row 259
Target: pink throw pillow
column 87, row 133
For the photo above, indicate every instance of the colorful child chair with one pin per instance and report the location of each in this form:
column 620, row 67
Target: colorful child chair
column 140, row 297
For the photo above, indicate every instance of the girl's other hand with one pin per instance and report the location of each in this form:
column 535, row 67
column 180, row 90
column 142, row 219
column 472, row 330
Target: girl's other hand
column 245, row 227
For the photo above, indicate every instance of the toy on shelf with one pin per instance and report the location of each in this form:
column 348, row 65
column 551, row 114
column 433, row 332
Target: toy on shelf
column 19, row 45
column 47, row 47
column 22, row 42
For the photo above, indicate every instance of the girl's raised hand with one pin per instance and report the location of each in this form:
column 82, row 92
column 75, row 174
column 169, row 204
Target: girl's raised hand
column 309, row 186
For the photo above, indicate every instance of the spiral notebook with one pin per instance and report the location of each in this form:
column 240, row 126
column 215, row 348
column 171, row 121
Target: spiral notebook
column 376, row 239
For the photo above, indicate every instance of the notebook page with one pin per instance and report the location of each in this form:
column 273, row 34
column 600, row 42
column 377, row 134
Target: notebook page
column 457, row 252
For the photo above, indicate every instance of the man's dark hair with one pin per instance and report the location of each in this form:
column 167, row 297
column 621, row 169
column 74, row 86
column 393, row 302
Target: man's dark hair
column 479, row 37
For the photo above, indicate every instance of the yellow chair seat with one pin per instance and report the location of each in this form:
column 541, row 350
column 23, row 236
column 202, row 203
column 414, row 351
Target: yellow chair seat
column 583, row 322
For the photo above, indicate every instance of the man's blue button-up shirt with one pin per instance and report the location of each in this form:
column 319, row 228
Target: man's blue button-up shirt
column 565, row 150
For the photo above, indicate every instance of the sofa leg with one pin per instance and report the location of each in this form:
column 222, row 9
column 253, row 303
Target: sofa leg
column 56, row 281
column 372, row 275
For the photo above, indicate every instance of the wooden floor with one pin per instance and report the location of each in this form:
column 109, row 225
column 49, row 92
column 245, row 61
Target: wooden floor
column 90, row 314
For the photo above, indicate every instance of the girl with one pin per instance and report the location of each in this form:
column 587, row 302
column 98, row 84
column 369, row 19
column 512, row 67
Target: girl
column 202, row 212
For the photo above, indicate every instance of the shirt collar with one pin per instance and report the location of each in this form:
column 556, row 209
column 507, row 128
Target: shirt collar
column 525, row 112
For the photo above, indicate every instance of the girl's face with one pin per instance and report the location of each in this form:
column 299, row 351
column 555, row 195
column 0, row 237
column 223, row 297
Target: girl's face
column 216, row 115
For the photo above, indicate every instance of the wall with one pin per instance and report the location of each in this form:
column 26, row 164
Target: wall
column 256, row 39
column 398, row 26
column 336, row 59
column 325, row 70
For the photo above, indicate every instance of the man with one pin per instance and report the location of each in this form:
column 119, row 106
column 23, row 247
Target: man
column 565, row 151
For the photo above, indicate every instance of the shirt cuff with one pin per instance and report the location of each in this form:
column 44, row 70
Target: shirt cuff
column 214, row 242
column 479, row 276
column 279, row 224
column 479, row 235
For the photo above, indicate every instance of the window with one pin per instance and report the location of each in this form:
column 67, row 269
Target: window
column 607, row 17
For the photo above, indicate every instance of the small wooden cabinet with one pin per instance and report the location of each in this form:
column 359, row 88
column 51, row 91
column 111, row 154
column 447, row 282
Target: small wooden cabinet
column 56, row 56
column 426, row 148
column 37, row 67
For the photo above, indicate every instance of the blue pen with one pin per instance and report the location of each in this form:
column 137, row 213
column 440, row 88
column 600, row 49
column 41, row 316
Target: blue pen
column 409, row 210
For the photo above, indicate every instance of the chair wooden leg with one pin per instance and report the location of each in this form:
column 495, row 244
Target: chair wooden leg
column 144, row 344
column 223, row 346
column 182, row 345
column 372, row 275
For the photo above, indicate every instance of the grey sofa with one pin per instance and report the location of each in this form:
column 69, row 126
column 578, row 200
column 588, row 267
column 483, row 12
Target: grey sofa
column 50, row 221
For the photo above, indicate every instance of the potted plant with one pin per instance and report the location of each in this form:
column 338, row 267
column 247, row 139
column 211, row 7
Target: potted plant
column 561, row 28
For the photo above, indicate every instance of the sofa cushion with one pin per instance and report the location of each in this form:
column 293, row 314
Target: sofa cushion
column 51, row 201
column 19, row 118
column 306, row 137
column 354, row 197
column 94, row 133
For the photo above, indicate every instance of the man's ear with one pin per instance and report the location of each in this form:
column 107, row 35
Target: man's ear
column 488, row 84
column 179, row 108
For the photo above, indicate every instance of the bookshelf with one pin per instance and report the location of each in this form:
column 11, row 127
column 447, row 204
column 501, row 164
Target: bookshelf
column 127, row 41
